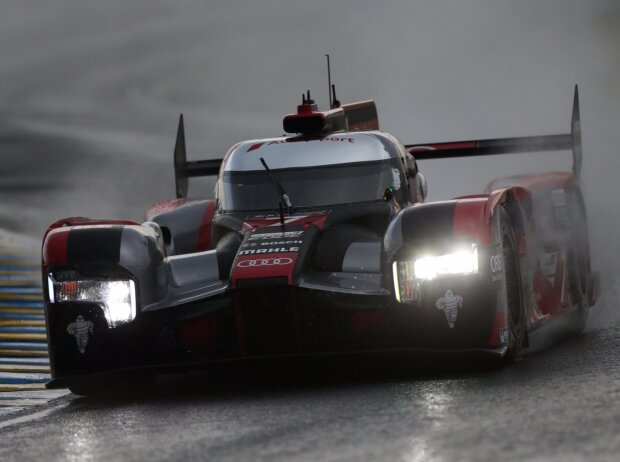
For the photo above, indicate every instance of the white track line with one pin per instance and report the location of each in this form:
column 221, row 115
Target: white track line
column 30, row 417
column 25, row 360
column 33, row 394
column 24, row 376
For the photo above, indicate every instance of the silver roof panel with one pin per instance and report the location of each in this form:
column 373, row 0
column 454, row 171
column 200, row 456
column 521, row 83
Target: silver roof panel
column 334, row 149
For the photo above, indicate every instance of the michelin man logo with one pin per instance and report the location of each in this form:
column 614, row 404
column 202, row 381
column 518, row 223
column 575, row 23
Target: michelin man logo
column 450, row 304
column 81, row 329
column 504, row 335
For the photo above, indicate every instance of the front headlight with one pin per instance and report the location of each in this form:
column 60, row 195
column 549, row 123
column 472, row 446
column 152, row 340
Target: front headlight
column 117, row 297
column 462, row 261
column 409, row 273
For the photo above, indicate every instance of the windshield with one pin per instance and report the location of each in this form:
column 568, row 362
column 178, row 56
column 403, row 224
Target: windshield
column 309, row 187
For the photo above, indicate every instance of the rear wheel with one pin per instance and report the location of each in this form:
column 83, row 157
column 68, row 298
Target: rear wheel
column 579, row 270
column 578, row 294
column 514, row 294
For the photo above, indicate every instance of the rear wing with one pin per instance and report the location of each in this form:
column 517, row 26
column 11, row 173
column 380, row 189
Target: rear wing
column 567, row 141
column 184, row 169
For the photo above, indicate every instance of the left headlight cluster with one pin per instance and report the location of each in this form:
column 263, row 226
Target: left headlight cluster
column 408, row 274
column 116, row 297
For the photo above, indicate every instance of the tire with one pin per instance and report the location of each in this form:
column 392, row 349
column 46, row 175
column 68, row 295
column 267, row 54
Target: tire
column 578, row 292
column 514, row 289
column 579, row 270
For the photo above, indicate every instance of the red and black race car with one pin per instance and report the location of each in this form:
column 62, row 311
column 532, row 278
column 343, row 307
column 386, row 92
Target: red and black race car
column 319, row 242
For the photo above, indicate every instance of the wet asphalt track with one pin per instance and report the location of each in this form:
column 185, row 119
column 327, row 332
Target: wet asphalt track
column 89, row 97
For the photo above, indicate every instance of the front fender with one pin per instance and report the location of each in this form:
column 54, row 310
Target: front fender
column 479, row 319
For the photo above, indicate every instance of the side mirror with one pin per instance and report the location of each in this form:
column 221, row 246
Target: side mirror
column 388, row 194
column 422, row 185
column 410, row 166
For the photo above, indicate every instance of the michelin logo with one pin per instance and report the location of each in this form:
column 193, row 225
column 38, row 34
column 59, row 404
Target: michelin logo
column 81, row 329
column 450, row 304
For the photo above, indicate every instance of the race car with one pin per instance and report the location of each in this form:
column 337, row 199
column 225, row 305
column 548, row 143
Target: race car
column 319, row 242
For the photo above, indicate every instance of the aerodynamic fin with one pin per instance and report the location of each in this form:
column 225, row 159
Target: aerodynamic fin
column 567, row 141
column 180, row 158
column 184, row 169
column 575, row 130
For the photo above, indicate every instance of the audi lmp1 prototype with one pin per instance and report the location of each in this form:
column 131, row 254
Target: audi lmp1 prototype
column 319, row 241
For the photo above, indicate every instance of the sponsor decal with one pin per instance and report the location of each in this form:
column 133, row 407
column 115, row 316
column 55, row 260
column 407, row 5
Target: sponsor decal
column 450, row 304
column 284, row 235
column 561, row 216
column 265, row 262
column 336, row 139
column 273, row 265
column 317, row 218
column 497, row 267
column 271, row 243
column 254, row 147
column 266, row 243
column 396, row 179
column 560, row 207
column 81, row 329
column 293, row 249
column 275, row 220
column 549, row 264
column 558, row 197
column 503, row 335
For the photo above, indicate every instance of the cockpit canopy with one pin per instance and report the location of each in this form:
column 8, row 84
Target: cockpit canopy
column 342, row 168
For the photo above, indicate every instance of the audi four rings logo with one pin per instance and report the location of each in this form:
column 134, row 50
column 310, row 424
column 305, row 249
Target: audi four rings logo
column 265, row 262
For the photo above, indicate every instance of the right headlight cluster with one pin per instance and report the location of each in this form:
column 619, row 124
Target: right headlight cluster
column 408, row 274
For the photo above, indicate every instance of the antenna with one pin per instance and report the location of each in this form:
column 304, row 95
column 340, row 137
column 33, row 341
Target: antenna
column 329, row 81
column 333, row 102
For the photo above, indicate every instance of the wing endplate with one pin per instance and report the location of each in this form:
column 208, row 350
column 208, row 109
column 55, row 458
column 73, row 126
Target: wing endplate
column 184, row 169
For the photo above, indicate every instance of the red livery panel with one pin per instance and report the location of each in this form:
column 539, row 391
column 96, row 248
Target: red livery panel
column 55, row 247
column 470, row 220
column 204, row 232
